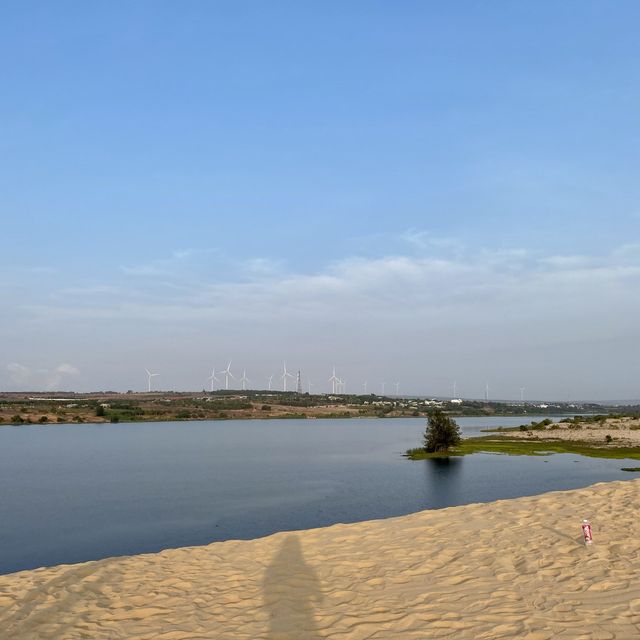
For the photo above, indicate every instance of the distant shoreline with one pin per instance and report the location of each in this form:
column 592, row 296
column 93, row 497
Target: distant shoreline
column 101, row 408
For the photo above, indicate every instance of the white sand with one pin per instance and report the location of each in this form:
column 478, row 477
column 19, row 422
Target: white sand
column 508, row 569
column 625, row 432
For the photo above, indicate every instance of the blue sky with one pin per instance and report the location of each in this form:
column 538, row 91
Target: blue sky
column 369, row 183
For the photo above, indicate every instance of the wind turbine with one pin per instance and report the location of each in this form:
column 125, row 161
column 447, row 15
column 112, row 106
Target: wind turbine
column 455, row 389
column 212, row 377
column 310, row 384
column 227, row 375
column 284, row 376
column 150, row 375
column 522, row 395
column 270, row 379
column 383, row 385
column 333, row 379
column 342, row 385
column 364, row 387
column 244, row 379
column 397, row 386
column 486, row 392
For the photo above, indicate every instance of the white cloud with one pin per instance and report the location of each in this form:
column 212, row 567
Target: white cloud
column 426, row 240
column 399, row 286
column 471, row 311
column 67, row 369
column 178, row 260
column 56, row 377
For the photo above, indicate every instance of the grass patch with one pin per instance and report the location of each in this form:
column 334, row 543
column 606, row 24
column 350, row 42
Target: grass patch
column 518, row 447
column 637, row 469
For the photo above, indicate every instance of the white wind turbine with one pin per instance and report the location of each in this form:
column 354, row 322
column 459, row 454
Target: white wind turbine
column 244, row 380
column 310, row 384
column 212, row 377
column 284, row 376
column 383, row 384
column 270, row 379
column 149, row 376
column 397, row 386
column 364, row 387
column 333, row 379
column 227, row 375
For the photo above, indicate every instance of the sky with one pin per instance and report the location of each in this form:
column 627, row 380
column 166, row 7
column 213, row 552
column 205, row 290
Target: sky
column 414, row 192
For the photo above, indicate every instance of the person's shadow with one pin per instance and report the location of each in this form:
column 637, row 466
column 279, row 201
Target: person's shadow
column 291, row 588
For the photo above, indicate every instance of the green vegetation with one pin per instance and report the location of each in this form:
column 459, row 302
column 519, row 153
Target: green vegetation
column 23, row 408
column 441, row 434
column 518, row 447
column 630, row 469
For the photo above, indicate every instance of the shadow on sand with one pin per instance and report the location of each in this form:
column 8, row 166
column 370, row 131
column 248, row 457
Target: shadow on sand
column 291, row 589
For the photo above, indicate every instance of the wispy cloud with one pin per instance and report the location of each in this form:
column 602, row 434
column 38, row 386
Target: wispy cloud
column 469, row 302
column 167, row 266
column 59, row 374
column 405, row 284
column 426, row 240
column 24, row 377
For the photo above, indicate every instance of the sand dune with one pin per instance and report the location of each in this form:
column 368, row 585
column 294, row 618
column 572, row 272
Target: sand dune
column 508, row 569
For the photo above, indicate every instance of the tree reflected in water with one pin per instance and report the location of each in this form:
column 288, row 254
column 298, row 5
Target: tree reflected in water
column 291, row 591
column 443, row 476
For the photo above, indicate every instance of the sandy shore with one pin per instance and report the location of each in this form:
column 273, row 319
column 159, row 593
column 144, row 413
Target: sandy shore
column 625, row 432
column 508, row 569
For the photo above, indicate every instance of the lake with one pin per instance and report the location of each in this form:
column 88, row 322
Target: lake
column 72, row 493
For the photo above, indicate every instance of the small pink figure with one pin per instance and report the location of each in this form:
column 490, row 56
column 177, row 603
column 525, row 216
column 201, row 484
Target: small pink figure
column 586, row 530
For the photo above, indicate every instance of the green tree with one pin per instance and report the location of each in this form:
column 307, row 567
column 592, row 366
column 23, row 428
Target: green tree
column 442, row 432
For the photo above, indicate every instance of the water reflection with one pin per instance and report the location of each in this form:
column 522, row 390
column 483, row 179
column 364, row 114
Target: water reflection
column 291, row 589
column 443, row 480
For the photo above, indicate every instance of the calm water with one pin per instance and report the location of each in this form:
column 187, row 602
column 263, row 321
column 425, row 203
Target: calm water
column 79, row 492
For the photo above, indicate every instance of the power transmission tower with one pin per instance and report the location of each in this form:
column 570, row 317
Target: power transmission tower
column 299, row 384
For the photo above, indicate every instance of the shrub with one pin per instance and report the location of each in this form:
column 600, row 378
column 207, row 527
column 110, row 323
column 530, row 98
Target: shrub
column 17, row 419
column 115, row 418
column 43, row 419
column 608, row 439
column 265, row 407
column 100, row 411
column 442, row 432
